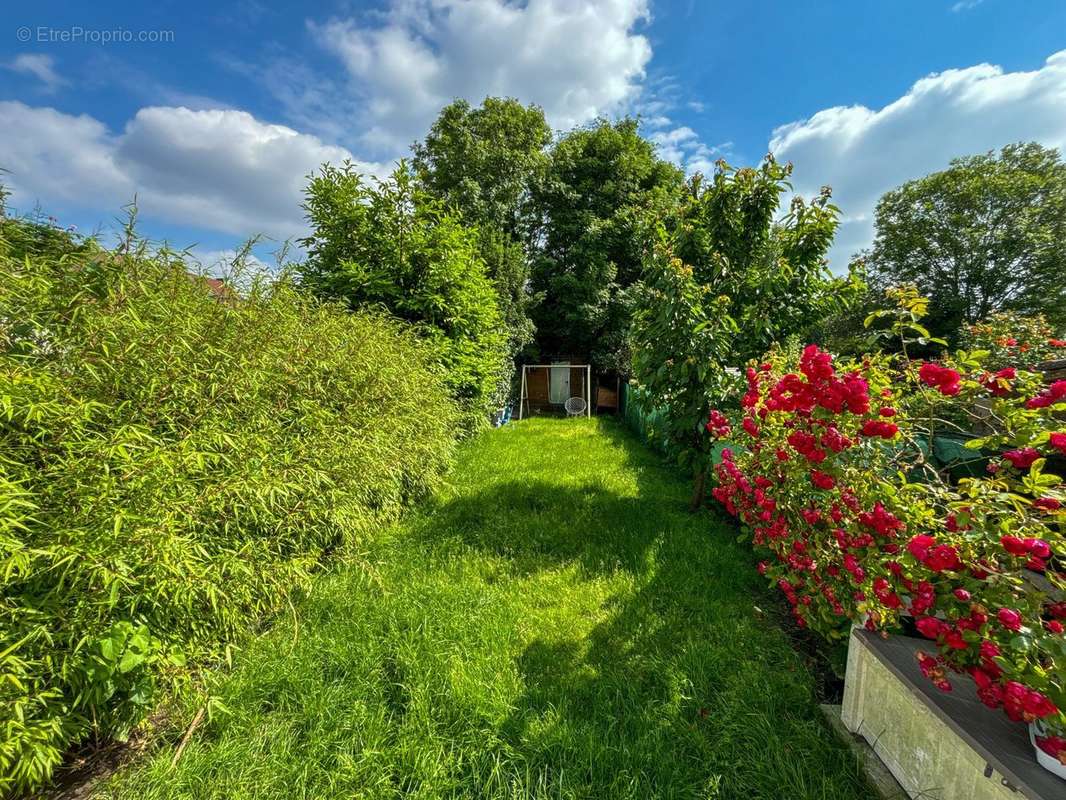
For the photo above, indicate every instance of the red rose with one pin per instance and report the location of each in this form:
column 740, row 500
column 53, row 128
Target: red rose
column 1038, row 548
column 942, row 557
column 919, row 546
column 1024, row 457
column 929, row 627
column 1050, row 396
column 1009, row 619
column 822, row 480
column 877, row 427
column 944, row 379
column 1058, row 441
column 1037, row 705
column 1047, row 504
column 1014, row 545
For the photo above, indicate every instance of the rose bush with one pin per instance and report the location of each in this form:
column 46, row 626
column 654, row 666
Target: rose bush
column 1014, row 339
column 832, row 472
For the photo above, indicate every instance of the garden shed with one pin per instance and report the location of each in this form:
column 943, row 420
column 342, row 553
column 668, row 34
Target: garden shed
column 547, row 388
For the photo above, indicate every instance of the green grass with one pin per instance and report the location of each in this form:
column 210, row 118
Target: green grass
column 554, row 625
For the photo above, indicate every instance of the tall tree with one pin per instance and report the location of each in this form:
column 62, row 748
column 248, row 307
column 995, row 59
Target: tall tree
column 722, row 283
column 591, row 202
column 390, row 246
column 480, row 161
column 984, row 235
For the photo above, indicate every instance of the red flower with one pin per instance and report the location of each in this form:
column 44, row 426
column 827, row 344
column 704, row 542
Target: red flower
column 749, row 425
column 1054, row 626
column 887, row 411
column 942, row 557
column 999, row 383
column 944, row 379
column 1050, row 396
column 885, row 523
column 929, row 627
column 1047, row 504
column 962, row 595
column 1057, row 342
column 1037, row 705
column 877, row 427
column 1058, row 441
column 1009, row 619
column 1014, row 545
column 1024, row 457
column 718, row 424
column 1038, row 548
column 821, row 480
column 919, row 546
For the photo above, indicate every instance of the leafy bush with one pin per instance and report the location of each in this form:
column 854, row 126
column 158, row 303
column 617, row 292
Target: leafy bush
column 722, row 283
column 173, row 462
column 392, row 246
column 1013, row 339
column 833, row 475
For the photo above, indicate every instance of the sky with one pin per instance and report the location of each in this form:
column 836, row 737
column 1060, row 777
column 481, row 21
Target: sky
column 212, row 114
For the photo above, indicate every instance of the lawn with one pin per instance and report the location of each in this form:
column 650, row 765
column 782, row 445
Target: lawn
column 554, row 625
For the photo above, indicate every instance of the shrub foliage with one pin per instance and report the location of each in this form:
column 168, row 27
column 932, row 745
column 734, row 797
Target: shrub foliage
column 173, row 462
column 392, row 246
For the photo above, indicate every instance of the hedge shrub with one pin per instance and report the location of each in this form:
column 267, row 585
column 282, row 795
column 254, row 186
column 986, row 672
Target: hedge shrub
column 173, row 463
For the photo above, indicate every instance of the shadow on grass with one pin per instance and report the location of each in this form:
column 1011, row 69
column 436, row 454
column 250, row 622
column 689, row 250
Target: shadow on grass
column 682, row 688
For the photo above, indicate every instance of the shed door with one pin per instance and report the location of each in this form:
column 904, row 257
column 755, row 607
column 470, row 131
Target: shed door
column 559, row 384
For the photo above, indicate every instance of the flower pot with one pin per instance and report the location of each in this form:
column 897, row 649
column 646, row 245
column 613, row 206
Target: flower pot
column 1044, row 759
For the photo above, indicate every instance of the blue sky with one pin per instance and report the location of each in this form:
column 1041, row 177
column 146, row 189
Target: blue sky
column 214, row 121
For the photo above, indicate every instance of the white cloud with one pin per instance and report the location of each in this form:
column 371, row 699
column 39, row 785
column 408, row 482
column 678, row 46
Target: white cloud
column 576, row 60
column 40, row 66
column 965, row 5
column 862, row 153
column 220, row 170
column 683, row 147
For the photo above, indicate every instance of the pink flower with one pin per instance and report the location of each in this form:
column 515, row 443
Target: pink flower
column 1009, row 619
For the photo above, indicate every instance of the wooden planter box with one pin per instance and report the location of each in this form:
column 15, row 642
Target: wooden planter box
column 938, row 745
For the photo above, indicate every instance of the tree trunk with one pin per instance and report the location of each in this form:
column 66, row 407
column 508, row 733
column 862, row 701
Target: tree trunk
column 697, row 491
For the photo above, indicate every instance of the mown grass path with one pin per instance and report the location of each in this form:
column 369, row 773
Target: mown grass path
column 554, row 625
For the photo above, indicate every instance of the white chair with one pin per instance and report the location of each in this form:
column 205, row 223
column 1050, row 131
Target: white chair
column 575, row 406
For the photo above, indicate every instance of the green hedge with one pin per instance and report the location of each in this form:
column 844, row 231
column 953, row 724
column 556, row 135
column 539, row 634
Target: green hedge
column 172, row 465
